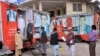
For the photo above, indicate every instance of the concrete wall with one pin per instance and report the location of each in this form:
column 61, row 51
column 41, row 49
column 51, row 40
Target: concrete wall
column 89, row 7
column 70, row 8
column 85, row 8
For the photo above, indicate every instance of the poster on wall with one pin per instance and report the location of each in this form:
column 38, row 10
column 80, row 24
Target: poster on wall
column 64, row 24
column 69, row 22
column 84, row 26
column 37, row 24
column 11, row 15
column 37, row 19
column 75, row 23
column 52, row 24
column 46, row 23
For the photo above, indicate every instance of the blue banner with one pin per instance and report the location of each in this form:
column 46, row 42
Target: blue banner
column 15, row 1
column 20, row 1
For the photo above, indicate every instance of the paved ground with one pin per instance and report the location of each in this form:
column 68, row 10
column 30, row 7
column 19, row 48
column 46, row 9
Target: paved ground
column 81, row 50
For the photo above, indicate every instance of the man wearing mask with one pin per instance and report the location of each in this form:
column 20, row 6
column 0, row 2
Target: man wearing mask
column 18, row 43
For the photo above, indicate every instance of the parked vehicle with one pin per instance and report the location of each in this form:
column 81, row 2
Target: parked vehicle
column 11, row 18
column 10, row 14
column 81, row 24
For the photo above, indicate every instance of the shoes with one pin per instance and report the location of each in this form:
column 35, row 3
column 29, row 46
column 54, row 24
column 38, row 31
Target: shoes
column 44, row 54
column 20, row 55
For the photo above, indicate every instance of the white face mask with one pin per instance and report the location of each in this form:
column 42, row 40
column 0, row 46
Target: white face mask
column 18, row 31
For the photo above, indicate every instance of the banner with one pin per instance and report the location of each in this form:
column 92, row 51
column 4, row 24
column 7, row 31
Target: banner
column 15, row 1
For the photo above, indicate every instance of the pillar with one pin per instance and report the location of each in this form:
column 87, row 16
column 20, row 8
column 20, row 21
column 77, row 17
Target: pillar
column 40, row 6
column 66, row 9
column 34, row 7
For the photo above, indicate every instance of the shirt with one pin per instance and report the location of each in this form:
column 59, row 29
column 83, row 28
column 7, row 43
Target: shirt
column 70, row 39
column 92, row 35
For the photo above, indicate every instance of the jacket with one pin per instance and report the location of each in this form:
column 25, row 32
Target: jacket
column 30, row 28
column 43, row 37
column 54, row 39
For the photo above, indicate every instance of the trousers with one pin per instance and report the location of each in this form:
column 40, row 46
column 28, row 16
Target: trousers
column 30, row 38
column 44, row 47
column 55, row 49
column 18, row 52
column 92, row 46
column 72, row 50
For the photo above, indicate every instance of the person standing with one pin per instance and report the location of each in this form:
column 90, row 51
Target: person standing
column 92, row 41
column 43, row 40
column 30, row 31
column 54, row 41
column 71, row 41
column 18, row 43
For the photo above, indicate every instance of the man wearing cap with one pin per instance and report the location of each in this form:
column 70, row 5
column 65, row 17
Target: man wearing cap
column 70, row 41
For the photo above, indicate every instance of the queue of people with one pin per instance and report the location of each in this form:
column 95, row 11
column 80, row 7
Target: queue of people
column 70, row 42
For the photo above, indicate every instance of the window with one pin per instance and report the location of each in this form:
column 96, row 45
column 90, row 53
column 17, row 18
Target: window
column 58, row 12
column 51, row 13
column 64, row 11
column 77, row 7
column 11, row 15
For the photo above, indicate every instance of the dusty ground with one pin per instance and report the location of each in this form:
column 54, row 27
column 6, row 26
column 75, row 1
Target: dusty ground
column 82, row 49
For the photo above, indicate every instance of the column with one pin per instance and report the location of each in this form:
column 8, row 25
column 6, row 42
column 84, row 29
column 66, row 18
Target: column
column 55, row 12
column 40, row 6
column 66, row 9
column 34, row 7
column 61, row 11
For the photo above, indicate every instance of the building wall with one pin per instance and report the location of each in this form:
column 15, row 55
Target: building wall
column 85, row 8
column 70, row 8
column 89, row 7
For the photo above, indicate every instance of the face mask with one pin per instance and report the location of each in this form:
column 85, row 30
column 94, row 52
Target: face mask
column 18, row 31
